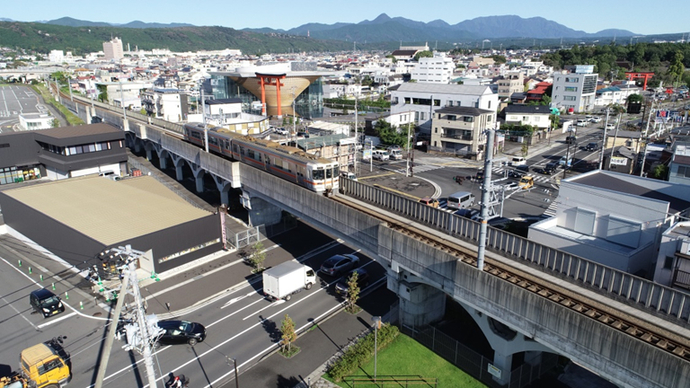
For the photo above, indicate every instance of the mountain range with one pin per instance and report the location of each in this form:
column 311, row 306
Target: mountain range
column 386, row 29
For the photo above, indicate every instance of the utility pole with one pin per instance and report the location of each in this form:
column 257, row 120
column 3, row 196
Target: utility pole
column 615, row 137
column 409, row 152
column 603, row 145
column 203, row 116
column 356, row 138
column 646, row 137
column 144, row 337
column 486, row 188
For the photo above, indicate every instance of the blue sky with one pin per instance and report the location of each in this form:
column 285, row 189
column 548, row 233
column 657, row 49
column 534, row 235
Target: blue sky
column 640, row 17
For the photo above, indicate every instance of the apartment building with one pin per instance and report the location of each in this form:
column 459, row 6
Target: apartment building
column 576, row 90
column 512, row 82
column 461, row 130
column 437, row 69
column 113, row 49
column 167, row 104
column 423, row 99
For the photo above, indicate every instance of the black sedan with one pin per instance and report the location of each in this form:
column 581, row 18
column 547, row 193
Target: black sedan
column 179, row 332
column 343, row 288
column 339, row 264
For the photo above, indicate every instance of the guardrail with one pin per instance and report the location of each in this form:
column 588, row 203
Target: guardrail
column 644, row 294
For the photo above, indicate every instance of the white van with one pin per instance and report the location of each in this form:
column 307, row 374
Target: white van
column 395, row 153
column 380, row 155
column 460, row 200
column 518, row 161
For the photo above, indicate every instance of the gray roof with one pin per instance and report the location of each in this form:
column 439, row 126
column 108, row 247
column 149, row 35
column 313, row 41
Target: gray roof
column 464, row 110
column 104, row 210
column 223, row 101
column 610, row 182
column 421, row 87
column 528, row 109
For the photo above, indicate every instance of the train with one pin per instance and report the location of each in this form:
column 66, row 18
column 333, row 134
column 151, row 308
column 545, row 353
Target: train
column 290, row 163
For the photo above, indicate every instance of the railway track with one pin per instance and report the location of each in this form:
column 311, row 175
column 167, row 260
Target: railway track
column 625, row 323
column 592, row 309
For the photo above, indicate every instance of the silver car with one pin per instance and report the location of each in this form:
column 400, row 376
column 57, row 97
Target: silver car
column 339, row 264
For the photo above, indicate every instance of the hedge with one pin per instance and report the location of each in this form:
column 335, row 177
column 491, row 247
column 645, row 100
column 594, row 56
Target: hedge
column 361, row 352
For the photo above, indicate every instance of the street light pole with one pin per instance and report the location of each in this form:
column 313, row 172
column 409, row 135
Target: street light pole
column 237, row 381
column 377, row 324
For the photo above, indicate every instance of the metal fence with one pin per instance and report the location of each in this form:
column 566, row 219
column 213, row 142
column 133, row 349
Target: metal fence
column 474, row 363
column 644, row 293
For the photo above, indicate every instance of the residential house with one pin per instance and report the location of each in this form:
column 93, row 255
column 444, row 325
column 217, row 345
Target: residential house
column 612, row 218
column 679, row 168
column 534, row 115
column 673, row 263
column 167, row 104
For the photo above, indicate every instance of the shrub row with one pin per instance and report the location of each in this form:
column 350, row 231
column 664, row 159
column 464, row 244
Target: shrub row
column 361, row 352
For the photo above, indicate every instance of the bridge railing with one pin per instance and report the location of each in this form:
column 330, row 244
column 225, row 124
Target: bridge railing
column 638, row 292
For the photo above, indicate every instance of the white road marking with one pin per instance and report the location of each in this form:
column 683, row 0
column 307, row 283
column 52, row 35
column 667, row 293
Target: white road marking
column 56, row 320
column 235, row 312
column 235, row 300
column 19, row 313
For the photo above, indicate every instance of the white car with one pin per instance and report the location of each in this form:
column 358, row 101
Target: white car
column 596, row 119
column 610, row 127
column 581, row 123
column 281, row 131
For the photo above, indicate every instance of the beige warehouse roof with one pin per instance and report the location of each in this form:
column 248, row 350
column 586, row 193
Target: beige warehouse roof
column 108, row 211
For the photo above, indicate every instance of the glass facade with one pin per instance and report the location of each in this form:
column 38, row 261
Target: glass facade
column 18, row 174
column 309, row 104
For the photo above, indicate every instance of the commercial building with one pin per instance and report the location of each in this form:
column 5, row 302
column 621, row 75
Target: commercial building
column 271, row 89
column 60, row 153
column 437, row 69
column 424, row 99
column 575, row 91
column 113, row 49
column 77, row 219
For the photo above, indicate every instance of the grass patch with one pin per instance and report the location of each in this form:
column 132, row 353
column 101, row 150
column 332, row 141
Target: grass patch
column 72, row 119
column 405, row 356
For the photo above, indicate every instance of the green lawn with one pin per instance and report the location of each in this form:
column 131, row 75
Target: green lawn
column 406, row 356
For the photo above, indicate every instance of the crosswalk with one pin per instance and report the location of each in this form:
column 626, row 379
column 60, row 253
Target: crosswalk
column 500, row 171
column 5, row 113
column 419, row 168
column 551, row 210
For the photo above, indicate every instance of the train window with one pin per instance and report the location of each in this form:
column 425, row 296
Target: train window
column 336, row 171
column 250, row 153
column 213, row 140
column 235, row 147
column 329, row 173
column 318, row 175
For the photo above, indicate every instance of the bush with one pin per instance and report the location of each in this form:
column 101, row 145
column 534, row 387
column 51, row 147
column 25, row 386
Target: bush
column 361, row 352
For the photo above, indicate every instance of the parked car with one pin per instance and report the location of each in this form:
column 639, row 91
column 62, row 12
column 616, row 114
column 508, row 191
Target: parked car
column 281, row 131
column 343, row 288
column 582, row 122
column 180, row 332
column 433, row 202
column 596, row 119
column 339, row 264
column 46, row 302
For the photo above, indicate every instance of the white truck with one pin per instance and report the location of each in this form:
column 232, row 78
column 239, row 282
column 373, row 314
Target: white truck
column 288, row 278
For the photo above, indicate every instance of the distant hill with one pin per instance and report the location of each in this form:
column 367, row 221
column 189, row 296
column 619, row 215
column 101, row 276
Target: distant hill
column 386, row 29
column 70, row 22
column 83, row 39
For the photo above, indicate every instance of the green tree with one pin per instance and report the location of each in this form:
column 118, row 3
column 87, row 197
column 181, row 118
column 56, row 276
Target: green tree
column 677, row 68
column 288, row 335
column 390, row 135
column 635, row 98
column 555, row 121
column 392, row 57
column 55, row 123
column 102, row 93
column 352, row 293
column 525, row 149
column 257, row 256
column 423, row 54
column 498, row 58
column 660, row 171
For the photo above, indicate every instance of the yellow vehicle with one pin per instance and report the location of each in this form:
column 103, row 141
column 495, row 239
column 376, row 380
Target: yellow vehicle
column 526, row 182
column 46, row 365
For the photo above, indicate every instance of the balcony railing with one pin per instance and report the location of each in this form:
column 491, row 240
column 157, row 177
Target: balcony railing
column 467, row 137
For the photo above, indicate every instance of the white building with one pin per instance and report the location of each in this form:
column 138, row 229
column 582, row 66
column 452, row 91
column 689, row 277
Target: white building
column 615, row 94
column 437, row 69
column 612, row 218
column 113, row 49
column 35, row 121
column 673, row 263
column 534, row 115
column 56, row 56
column 166, row 104
column 575, row 90
column 424, row 99
column 227, row 113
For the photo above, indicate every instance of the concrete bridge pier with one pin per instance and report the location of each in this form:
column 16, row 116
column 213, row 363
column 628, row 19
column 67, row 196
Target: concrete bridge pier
column 178, row 162
column 505, row 342
column 420, row 303
column 199, row 179
column 260, row 211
